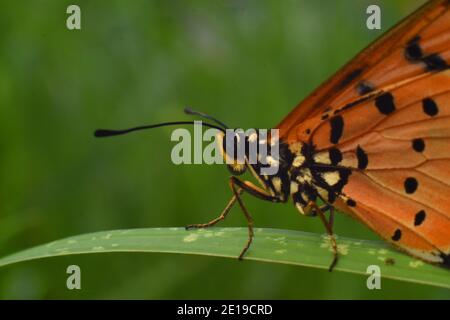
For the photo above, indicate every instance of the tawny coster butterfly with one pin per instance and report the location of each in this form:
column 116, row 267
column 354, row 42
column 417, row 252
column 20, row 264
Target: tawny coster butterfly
column 372, row 141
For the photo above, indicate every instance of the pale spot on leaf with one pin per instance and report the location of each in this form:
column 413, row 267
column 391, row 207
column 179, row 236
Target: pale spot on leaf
column 341, row 248
column 190, row 238
column 415, row 263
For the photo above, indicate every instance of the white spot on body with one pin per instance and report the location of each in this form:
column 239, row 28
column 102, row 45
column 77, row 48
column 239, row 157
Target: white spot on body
column 276, row 181
column 305, row 176
column 294, row 187
column 295, row 147
column 300, row 208
column 331, row 178
column 322, row 192
column 322, row 157
column 298, row 161
column 272, row 161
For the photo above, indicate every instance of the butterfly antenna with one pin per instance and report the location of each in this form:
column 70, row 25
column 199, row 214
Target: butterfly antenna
column 189, row 111
column 100, row 133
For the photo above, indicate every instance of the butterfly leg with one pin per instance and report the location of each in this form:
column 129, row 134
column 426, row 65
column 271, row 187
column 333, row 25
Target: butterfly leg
column 221, row 217
column 238, row 187
column 329, row 227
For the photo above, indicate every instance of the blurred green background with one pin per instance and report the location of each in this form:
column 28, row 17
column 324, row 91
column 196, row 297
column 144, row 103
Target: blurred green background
column 136, row 62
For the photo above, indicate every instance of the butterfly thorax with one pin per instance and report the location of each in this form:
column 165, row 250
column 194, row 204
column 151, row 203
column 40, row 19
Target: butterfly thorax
column 305, row 175
column 292, row 170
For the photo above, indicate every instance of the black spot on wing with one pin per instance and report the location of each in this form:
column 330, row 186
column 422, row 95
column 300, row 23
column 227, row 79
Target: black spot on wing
column 434, row 62
column 335, row 156
column 385, row 103
column 364, row 88
column 414, row 53
column 344, row 174
column 397, row 235
column 430, row 107
column 351, row 203
column 410, row 185
column 350, row 77
column 353, row 104
column 363, row 160
column 418, row 145
column 337, row 128
column 419, row 218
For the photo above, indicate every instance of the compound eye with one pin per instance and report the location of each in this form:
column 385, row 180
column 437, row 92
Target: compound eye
column 233, row 150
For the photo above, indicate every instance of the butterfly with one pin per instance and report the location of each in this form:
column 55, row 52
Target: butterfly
column 373, row 141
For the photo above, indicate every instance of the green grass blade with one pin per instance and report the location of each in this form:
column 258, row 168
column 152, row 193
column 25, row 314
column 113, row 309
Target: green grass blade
column 270, row 245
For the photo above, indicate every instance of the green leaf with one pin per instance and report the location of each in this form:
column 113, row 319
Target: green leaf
column 270, row 245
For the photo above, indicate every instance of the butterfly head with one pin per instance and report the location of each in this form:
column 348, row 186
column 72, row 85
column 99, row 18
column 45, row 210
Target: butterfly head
column 232, row 145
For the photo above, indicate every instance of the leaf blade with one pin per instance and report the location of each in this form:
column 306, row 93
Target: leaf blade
column 270, row 245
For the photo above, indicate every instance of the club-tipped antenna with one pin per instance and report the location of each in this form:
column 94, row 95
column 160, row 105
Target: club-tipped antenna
column 101, row 133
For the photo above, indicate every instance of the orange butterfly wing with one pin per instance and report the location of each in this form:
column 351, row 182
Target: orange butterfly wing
column 387, row 113
column 380, row 64
column 400, row 181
